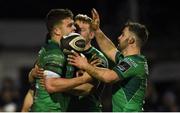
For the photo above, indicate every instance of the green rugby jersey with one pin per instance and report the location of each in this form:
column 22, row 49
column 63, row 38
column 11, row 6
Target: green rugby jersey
column 91, row 102
column 129, row 93
column 51, row 58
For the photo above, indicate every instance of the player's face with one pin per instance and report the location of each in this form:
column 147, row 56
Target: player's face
column 84, row 30
column 67, row 26
column 123, row 39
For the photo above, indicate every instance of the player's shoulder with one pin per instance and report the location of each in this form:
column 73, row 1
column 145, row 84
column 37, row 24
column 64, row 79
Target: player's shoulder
column 136, row 61
column 137, row 58
column 51, row 53
column 53, row 49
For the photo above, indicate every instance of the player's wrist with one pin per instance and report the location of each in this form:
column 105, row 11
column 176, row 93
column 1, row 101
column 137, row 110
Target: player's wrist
column 85, row 66
column 86, row 78
column 98, row 31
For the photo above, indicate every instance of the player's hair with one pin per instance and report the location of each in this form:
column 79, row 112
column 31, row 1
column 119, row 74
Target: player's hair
column 139, row 30
column 56, row 16
column 83, row 18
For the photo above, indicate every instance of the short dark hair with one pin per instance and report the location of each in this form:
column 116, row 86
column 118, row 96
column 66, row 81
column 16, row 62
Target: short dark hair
column 56, row 16
column 139, row 30
column 84, row 18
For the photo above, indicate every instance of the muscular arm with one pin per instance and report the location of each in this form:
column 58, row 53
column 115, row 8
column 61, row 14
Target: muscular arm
column 35, row 72
column 28, row 101
column 83, row 89
column 106, row 44
column 103, row 41
column 104, row 74
column 62, row 84
column 87, row 88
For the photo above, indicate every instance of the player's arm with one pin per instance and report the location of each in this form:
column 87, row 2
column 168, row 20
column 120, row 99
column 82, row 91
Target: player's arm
column 76, row 86
column 63, row 84
column 103, row 41
column 106, row 45
column 34, row 73
column 83, row 89
column 28, row 101
column 53, row 78
column 104, row 74
column 87, row 88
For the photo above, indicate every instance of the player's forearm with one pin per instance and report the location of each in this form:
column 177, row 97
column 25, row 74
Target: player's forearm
column 61, row 85
column 81, row 90
column 28, row 101
column 105, row 43
column 103, row 74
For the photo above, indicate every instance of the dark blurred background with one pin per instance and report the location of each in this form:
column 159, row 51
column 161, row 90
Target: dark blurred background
column 22, row 32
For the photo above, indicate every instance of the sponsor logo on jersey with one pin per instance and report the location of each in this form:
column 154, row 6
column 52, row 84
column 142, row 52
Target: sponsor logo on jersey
column 123, row 66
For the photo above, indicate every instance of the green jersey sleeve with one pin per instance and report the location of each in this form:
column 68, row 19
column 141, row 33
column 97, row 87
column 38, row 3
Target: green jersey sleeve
column 119, row 56
column 125, row 67
column 54, row 62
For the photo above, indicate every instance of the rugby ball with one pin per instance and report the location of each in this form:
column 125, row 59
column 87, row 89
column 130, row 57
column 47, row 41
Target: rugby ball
column 73, row 41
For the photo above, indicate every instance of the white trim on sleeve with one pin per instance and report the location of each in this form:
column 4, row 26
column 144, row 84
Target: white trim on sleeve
column 51, row 74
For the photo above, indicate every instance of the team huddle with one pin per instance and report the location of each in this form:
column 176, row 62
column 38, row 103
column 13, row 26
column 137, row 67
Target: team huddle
column 70, row 74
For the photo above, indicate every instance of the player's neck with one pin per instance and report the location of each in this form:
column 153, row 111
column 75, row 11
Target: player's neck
column 56, row 38
column 131, row 51
column 88, row 45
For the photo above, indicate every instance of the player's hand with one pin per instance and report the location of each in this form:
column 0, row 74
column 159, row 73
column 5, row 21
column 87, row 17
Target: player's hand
column 76, row 60
column 42, row 81
column 37, row 72
column 95, row 61
column 95, row 19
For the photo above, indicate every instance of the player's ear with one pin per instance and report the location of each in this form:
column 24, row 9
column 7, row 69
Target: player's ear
column 57, row 30
column 92, row 34
column 131, row 40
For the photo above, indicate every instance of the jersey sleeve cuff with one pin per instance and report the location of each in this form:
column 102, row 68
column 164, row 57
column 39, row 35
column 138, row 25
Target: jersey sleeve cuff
column 51, row 74
column 119, row 73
